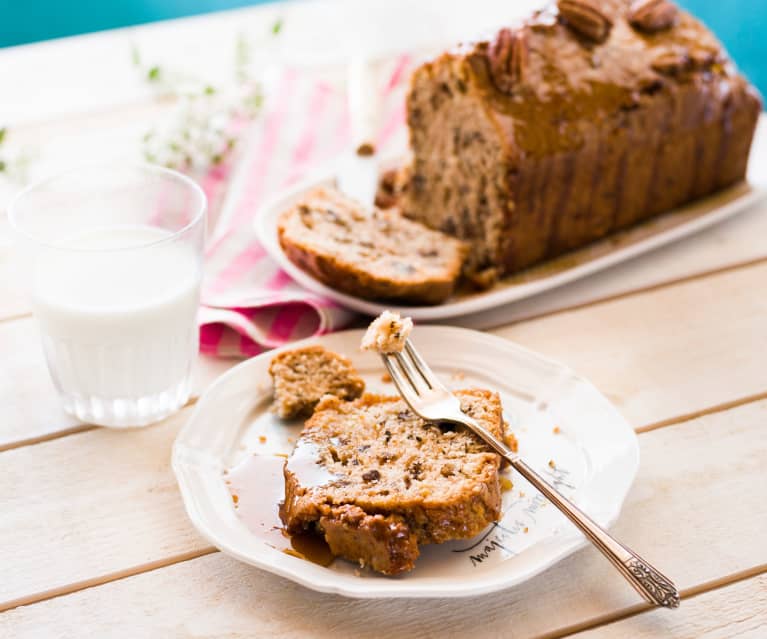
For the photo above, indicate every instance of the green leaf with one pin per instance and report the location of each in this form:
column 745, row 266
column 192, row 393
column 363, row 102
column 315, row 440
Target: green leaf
column 277, row 27
column 2, row 166
column 3, row 131
column 153, row 74
column 209, row 90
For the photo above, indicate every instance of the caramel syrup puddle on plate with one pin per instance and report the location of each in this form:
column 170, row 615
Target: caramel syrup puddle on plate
column 311, row 547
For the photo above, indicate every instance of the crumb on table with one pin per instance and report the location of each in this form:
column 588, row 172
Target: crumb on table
column 262, row 439
column 556, row 430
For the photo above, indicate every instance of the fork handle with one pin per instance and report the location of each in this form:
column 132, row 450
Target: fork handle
column 647, row 580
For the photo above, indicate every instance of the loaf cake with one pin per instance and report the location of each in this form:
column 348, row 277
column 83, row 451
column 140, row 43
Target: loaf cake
column 387, row 333
column 373, row 254
column 376, row 480
column 303, row 375
column 586, row 118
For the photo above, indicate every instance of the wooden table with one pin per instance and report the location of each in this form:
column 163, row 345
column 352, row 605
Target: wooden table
column 93, row 538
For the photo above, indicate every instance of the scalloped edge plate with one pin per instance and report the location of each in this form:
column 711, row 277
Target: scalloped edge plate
column 597, row 448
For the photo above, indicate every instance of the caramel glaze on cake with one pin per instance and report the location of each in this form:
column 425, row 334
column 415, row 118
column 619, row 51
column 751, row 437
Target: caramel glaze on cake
column 586, row 118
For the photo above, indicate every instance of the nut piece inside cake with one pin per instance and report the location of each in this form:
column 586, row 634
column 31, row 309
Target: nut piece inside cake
column 387, row 333
column 376, row 481
column 303, row 375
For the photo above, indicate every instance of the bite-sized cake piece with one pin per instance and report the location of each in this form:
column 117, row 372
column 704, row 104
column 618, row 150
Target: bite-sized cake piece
column 303, row 375
column 387, row 333
column 376, row 480
column 371, row 253
column 585, row 119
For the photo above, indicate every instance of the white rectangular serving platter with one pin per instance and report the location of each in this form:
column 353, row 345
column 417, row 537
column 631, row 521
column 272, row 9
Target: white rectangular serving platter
column 614, row 249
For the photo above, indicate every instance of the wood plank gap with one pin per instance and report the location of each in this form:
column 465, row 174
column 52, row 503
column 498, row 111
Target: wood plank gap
column 687, row 593
column 104, row 579
column 718, row 408
column 74, row 430
column 17, row 316
column 671, row 421
column 638, row 291
column 66, row 432
column 574, row 307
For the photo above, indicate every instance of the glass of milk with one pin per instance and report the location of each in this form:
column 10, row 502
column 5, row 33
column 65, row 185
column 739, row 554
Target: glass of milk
column 113, row 258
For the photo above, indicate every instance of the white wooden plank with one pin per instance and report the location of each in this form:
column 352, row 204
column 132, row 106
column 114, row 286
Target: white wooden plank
column 693, row 512
column 657, row 355
column 666, row 352
column 30, row 405
column 738, row 610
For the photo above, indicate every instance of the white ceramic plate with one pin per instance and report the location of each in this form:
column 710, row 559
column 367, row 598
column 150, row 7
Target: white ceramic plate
column 232, row 442
column 616, row 248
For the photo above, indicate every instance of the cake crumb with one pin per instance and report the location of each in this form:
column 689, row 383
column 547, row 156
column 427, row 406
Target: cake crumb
column 510, row 438
column 526, row 530
column 556, row 430
column 506, row 484
column 291, row 440
column 262, row 439
column 387, row 333
column 386, row 378
column 521, row 493
column 458, row 376
column 235, row 499
column 552, row 464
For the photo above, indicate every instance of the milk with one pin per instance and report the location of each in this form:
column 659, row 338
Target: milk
column 118, row 321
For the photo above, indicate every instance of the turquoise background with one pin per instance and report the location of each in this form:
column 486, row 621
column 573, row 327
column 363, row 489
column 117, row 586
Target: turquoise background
column 740, row 24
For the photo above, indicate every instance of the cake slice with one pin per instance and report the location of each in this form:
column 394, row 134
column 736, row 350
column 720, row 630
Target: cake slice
column 303, row 375
column 372, row 253
column 376, row 480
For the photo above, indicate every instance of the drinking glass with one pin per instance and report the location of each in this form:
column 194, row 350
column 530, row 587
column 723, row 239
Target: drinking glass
column 112, row 257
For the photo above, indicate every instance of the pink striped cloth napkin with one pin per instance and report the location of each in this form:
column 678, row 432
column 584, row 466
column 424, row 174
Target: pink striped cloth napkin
column 249, row 304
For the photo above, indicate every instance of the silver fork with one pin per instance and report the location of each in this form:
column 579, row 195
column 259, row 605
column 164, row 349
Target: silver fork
column 432, row 401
